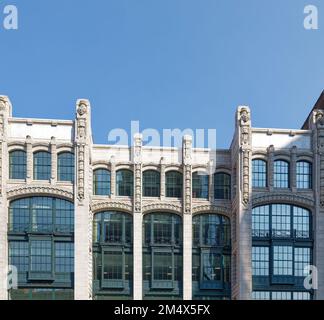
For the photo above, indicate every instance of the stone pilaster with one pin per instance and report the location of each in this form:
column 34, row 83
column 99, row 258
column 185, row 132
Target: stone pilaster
column 112, row 177
column 244, row 267
column 318, row 167
column 162, row 186
column 54, row 161
column 83, row 248
column 293, row 164
column 137, row 218
column 270, row 167
column 29, row 159
column 211, row 181
column 187, row 217
column 5, row 113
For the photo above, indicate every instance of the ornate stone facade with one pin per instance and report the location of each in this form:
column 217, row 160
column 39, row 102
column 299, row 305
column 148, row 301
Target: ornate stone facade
column 248, row 143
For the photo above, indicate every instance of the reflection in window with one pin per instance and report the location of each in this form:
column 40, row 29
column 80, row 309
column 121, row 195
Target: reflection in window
column 42, row 165
column 124, row 181
column 173, row 184
column 200, row 186
column 281, row 174
column 304, row 175
column 222, row 186
column 17, row 164
column 259, row 173
column 151, row 183
column 65, row 166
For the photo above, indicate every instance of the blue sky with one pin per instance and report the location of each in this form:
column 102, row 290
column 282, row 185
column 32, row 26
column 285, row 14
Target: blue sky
column 167, row 63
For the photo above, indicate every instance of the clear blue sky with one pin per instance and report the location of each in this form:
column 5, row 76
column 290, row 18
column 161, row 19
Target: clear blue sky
column 167, row 63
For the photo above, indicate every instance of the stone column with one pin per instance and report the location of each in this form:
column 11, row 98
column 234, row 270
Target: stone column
column 187, row 217
column 244, row 267
column 54, row 161
column 83, row 241
column 211, row 181
column 5, row 113
column 137, row 218
column 112, row 177
column 318, row 216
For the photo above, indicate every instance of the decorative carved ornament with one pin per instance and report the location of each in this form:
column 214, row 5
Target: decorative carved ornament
column 206, row 208
column 244, row 119
column 187, row 174
column 282, row 198
column 138, row 173
column 162, row 206
column 39, row 190
column 111, row 205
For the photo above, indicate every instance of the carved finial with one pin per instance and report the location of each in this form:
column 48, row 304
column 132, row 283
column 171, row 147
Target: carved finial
column 244, row 115
column 5, row 104
column 318, row 117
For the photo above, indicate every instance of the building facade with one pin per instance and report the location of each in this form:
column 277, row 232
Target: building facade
column 85, row 221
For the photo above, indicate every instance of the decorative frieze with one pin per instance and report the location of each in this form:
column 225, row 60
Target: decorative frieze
column 162, row 206
column 111, row 205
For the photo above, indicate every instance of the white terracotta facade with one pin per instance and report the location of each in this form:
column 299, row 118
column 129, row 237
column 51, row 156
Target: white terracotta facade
column 248, row 143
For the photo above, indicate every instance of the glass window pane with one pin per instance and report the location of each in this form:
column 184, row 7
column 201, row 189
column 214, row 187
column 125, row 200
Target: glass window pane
column 41, row 255
column 64, row 257
column 65, row 166
column 260, row 261
column 200, row 185
column 151, row 183
column 222, row 186
column 283, row 260
column 281, row 220
column 42, row 165
column 17, row 164
column 124, row 181
column 259, row 173
column 281, row 174
column 101, row 182
column 260, row 222
column 173, row 184
column 304, row 175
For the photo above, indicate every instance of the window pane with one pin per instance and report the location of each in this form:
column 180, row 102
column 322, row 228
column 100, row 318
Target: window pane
column 281, row 220
column 19, row 255
column 302, row 260
column 212, row 267
column 65, row 167
column 173, row 184
column 17, row 164
column 200, row 186
column 259, row 173
column 261, row 295
column 304, row 175
column 42, row 165
column 260, row 261
column 64, row 216
column 222, row 186
column 113, row 265
column 260, row 222
column 162, row 266
column 64, row 257
column 301, row 223
column 281, row 174
column 41, row 255
column 283, row 260
column 101, row 182
column 124, row 183
column 151, row 183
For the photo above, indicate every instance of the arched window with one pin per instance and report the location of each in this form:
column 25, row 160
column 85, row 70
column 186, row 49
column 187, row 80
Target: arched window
column 101, row 182
column 124, row 182
column 41, row 247
column 112, row 255
column 65, row 166
column 42, row 165
column 162, row 256
column 282, row 248
column 173, row 184
column 259, row 173
column 281, row 174
column 17, row 164
column 200, row 185
column 151, row 183
column 222, row 186
column 304, row 175
column 211, row 257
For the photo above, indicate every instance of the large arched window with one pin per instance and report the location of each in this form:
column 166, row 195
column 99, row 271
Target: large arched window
column 101, row 182
column 41, row 247
column 42, row 165
column 200, row 185
column 173, row 184
column 65, row 166
column 112, row 255
column 211, row 257
column 17, row 164
column 162, row 256
column 281, row 174
column 222, row 186
column 151, row 183
column 124, row 183
column 282, row 248
column 304, row 175
column 259, row 173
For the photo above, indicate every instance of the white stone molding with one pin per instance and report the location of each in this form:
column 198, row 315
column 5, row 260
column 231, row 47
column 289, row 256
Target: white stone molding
column 162, row 177
column 37, row 190
column 98, row 206
column 162, row 206
column 53, row 161
column 208, row 208
column 187, row 173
